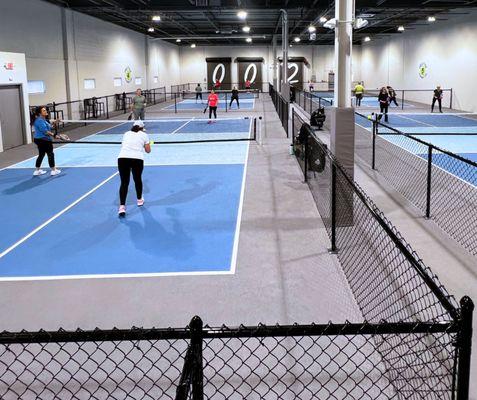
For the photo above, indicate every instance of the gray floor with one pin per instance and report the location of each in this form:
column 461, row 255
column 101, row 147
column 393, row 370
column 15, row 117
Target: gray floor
column 284, row 273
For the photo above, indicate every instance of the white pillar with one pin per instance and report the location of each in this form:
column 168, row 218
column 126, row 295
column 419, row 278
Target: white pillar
column 342, row 115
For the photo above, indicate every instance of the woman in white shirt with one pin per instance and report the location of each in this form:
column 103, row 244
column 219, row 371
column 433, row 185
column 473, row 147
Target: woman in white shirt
column 131, row 159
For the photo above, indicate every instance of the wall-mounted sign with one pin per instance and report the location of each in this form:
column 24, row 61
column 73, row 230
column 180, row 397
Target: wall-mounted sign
column 250, row 69
column 127, row 74
column 423, row 70
column 8, row 66
column 296, row 71
column 219, row 69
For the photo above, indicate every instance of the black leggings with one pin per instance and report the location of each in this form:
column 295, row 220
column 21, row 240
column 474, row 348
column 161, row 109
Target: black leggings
column 384, row 109
column 45, row 147
column 232, row 100
column 125, row 166
column 213, row 110
column 198, row 95
column 434, row 99
column 359, row 97
column 393, row 100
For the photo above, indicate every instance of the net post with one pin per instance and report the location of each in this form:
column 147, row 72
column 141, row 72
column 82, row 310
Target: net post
column 429, row 182
column 375, row 132
column 402, row 101
column 226, row 102
column 255, row 128
column 464, row 348
column 107, row 107
column 175, row 103
column 196, row 326
column 260, row 141
column 333, row 249
column 451, row 97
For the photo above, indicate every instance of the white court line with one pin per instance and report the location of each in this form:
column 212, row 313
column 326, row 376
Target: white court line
column 414, row 120
column 180, row 127
column 107, row 276
column 233, row 262
column 39, row 228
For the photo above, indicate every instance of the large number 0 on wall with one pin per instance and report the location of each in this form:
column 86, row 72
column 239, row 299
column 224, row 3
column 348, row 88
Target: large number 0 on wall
column 247, row 72
column 222, row 76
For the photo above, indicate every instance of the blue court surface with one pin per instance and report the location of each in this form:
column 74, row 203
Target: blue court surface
column 365, row 102
column 456, row 133
column 67, row 225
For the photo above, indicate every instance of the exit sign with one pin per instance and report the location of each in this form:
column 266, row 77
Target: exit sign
column 8, row 66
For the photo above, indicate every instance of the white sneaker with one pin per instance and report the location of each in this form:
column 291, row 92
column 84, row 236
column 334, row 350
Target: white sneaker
column 39, row 172
column 55, row 172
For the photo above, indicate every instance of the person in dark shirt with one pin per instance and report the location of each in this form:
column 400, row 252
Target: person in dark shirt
column 438, row 95
column 392, row 96
column 43, row 138
column 384, row 102
column 235, row 96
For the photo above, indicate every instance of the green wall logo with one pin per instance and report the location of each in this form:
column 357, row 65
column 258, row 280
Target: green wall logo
column 128, row 74
column 422, row 70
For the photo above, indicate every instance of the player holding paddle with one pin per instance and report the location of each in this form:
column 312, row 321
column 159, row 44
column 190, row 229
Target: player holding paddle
column 212, row 102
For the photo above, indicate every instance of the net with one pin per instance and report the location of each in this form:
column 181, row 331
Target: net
column 168, row 131
column 223, row 94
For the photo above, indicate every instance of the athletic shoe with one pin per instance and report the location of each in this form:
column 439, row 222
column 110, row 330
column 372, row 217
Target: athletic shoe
column 209, row 122
column 140, row 202
column 39, row 172
column 55, row 172
column 122, row 211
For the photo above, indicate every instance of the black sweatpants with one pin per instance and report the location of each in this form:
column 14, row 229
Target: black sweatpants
column 45, row 147
column 384, row 110
column 393, row 100
column 213, row 110
column 232, row 100
column 125, row 167
column 434, row 99
column 198, row 95
column 359, row 97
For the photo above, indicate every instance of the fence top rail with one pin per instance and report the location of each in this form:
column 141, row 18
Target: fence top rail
column 423, row 142
column 259, row 331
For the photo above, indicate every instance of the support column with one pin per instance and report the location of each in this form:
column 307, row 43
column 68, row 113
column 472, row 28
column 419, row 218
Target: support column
column 342, row 116
column 274, row 63
column 285, row 87
column 72, row 85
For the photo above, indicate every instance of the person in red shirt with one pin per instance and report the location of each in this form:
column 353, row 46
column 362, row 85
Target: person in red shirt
column 212, row 101
column 248, row 84
column 217, row 84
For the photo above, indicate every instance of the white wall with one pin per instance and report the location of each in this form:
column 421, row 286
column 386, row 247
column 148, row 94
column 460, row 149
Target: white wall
column 449, row 49
column 95, row 49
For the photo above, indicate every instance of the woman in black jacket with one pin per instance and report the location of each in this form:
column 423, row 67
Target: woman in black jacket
column 384, row 102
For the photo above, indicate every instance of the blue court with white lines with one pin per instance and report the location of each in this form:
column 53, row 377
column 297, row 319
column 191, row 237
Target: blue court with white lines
column 67, row 225
column 246, row 102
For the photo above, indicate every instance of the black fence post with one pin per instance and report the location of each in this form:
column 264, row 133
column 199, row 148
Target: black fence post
column 107, row 107
column 402, row 101
column 196, row 326
column 293, row 126
column 451, row 97
column 465, row 348
column 124, row 103
column 333, row 248
column 175, row 103
column 429, row 182
column 311, row 103
column 226, row 102
column 375, row 132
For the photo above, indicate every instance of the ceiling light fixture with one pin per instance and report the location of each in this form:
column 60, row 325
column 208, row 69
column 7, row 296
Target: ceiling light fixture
column 248, row 40
column 178, row 40
column 242, row 14
column 150, row 29
column 156, row 18
column 400, row 28
column 323, row 19
column 193, row 45
column 431, row 19
column 297, row 39
column 367, row 39
column 311, row 29
column 246, row 29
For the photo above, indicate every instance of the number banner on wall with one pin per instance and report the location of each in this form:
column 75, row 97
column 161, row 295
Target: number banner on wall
column 250, row 69
column 296, row 71
column 219, row 68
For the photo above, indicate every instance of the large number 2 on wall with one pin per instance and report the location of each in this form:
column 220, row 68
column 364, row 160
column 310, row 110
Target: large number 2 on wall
column 247, row 72
column 222, row 76
column 295, row 72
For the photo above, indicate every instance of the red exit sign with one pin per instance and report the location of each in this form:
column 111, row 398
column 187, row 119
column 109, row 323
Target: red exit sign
column 8, row 66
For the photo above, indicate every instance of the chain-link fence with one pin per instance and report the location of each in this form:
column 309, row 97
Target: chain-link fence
column 440, row 183
column 281, row 105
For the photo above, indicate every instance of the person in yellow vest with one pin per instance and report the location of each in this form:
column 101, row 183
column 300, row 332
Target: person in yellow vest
column 359, row 92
